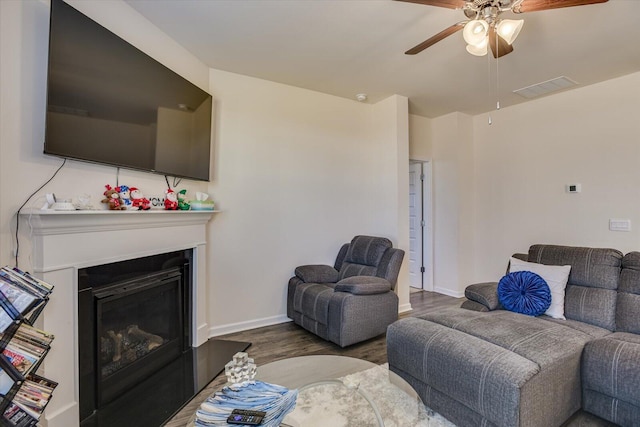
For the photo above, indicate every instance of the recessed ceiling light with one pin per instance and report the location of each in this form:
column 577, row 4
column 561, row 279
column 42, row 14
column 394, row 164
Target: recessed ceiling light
column 361, row 97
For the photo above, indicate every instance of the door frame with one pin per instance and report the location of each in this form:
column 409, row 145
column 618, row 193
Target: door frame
column 427, row 229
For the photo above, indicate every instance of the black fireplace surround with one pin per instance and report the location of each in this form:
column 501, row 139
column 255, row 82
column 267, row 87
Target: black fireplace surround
column 137, row 366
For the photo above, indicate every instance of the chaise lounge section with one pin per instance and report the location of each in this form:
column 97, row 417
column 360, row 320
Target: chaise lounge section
column 494, row 367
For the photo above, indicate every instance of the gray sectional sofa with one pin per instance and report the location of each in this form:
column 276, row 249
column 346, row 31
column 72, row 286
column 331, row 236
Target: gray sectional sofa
column 480, row 365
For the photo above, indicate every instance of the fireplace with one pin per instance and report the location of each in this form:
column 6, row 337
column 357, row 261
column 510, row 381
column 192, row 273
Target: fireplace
column 63, row 244
column 131, row 324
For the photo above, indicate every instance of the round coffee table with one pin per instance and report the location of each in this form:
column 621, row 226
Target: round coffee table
column 343, row 392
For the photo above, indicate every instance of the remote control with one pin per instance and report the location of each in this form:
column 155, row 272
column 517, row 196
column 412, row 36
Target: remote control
column 246, row 417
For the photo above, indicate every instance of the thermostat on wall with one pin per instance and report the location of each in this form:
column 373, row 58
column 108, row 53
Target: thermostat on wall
column 573, row 188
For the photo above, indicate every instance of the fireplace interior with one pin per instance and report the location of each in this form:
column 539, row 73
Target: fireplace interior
column 137, row 366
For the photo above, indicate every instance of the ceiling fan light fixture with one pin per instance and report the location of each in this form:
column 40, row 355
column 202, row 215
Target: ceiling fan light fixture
column 478, row 50
column 509, row 29
column 475, row 32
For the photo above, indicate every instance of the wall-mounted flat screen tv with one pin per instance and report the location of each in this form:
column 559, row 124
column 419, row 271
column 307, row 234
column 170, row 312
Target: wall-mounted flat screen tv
column 110, row 103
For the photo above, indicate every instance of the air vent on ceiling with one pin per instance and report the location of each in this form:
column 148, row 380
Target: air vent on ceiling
column 545, row 88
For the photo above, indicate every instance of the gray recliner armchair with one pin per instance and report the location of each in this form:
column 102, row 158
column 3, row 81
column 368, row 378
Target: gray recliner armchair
column 352, row 301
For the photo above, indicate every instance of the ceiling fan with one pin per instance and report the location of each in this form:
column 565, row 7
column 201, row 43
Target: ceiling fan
column 484, row 27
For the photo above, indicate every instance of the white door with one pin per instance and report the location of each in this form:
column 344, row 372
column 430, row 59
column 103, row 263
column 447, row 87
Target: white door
column 415, row 226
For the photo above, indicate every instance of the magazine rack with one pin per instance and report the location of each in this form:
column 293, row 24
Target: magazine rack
column 14, row 374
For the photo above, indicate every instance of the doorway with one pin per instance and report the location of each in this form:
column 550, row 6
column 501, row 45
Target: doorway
column 420, row 226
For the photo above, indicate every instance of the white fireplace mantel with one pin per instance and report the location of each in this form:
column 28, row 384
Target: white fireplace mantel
column 65, row 241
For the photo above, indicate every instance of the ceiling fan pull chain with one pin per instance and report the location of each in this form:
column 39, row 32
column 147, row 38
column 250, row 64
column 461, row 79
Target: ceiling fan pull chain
column 490, row 83
column 497, row 76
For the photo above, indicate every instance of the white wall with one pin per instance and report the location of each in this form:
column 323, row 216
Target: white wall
column 296, row 174
column 452, row 155
column 523, row 161
column 24, row 29
column 420, row 138
column 391, row 127
column 500, row 188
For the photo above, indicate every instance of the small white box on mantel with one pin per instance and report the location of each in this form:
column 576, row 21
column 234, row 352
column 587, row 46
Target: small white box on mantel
column 619, row 224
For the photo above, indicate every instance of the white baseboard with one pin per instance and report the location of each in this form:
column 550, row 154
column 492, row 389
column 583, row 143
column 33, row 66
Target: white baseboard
column 404, row 308
column 230, row 328
column 449, row 292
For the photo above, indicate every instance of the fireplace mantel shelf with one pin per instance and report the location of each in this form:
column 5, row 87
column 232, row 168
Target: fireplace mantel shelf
column 49, row 222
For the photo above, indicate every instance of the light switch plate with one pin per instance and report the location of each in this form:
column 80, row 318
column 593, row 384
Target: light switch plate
column 619, row 224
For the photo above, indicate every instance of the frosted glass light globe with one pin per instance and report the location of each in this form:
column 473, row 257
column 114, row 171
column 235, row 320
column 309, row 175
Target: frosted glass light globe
column 475, row 32
column 509, row 29
column 480, row 49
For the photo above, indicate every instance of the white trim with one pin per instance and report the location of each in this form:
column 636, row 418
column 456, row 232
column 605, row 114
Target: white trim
column 231, row 328
column 449, row 292
column 47, row 222
column 427, row 207
column 62, row 242
column 405, row 308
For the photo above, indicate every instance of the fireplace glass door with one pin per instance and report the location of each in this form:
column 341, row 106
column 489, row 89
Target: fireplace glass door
column 139, row 329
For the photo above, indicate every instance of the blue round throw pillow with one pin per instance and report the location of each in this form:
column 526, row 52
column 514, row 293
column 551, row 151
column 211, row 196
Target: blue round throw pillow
column 524, row 292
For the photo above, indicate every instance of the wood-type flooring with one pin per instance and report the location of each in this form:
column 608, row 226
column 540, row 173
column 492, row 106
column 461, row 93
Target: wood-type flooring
column 284, row 340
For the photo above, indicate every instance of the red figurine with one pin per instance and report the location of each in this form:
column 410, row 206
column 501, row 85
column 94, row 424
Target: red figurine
column 138, row 201
column 170, row 200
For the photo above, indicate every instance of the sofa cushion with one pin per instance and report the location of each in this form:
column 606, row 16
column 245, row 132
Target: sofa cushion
column 627, row 313
column 367, row 250
column 593, row 282
column 363, row 285
column 350, row 269
column 312, row 299
column 473, row 305
column 524, row 292
column 591, row 305
column 586, row 328
column 317, row 273
column 610, row 369
column 482, row 376
column 544, row 343
column 363, row 256
column 556, row 277
column 485, row 294
column 592, row 267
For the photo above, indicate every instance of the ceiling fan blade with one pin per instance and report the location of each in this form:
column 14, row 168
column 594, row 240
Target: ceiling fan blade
column 435, row 39
column 499, row 46
column 536, row 5
column 451, row 4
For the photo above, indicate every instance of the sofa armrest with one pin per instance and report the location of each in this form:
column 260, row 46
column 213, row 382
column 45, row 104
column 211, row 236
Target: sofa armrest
column 474, row 306
column 485, row 294
column 363, row 285
column 317, row 274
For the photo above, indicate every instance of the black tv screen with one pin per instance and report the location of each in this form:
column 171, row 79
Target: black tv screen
column 110, row 103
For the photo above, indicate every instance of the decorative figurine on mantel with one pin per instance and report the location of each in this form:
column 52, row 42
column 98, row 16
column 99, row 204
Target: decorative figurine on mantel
column 112, row 198
column 125, row 196
column 170, row 200
column 138, row 201
column 183, row 205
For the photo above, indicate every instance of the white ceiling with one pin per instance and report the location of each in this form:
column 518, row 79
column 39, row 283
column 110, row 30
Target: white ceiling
column 346, row 47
